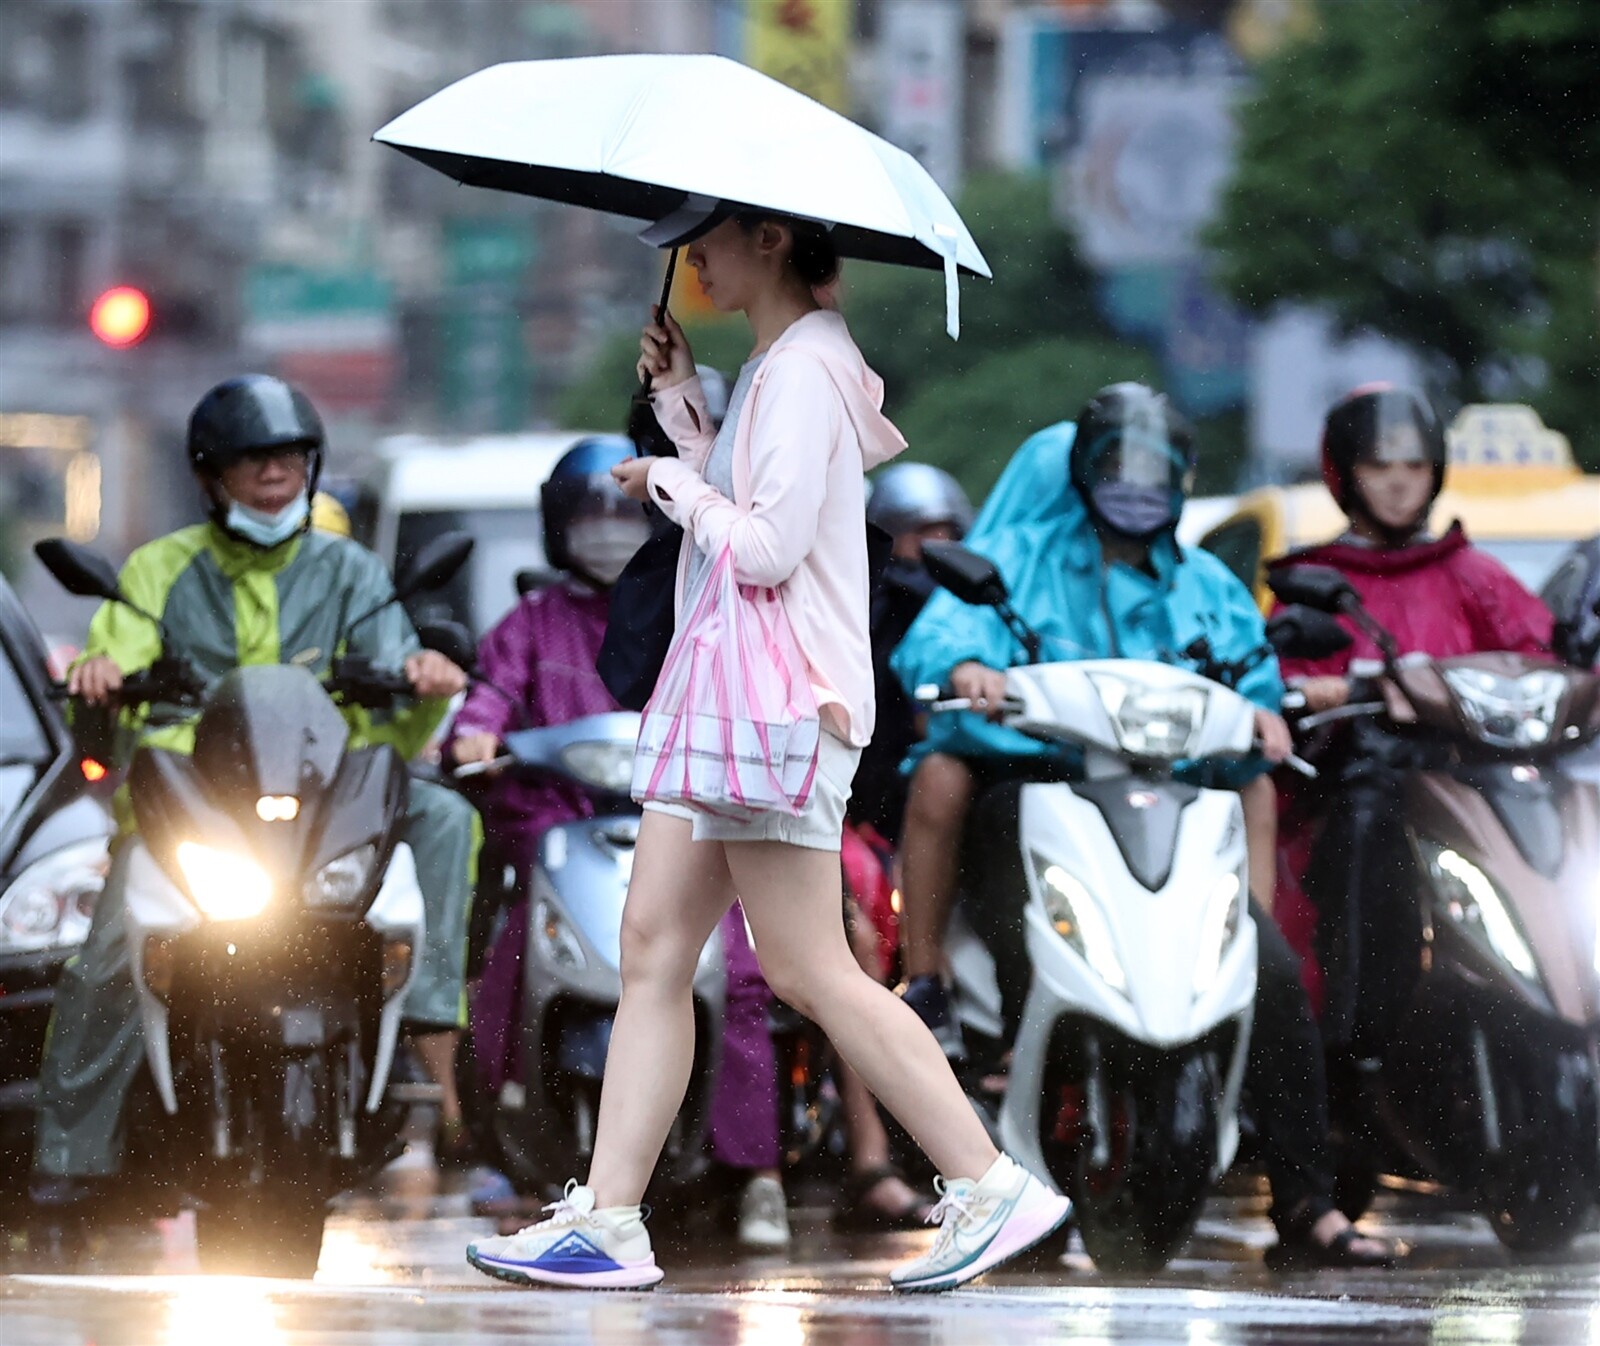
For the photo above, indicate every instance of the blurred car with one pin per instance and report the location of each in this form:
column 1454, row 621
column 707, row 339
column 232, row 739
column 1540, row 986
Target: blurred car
column 55, row 833
column 487, row 485
column 1512, row 484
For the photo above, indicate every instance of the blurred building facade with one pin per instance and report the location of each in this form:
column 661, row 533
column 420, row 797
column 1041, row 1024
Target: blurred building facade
column 216, row 155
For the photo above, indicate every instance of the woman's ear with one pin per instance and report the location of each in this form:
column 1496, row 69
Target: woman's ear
column 773, row 237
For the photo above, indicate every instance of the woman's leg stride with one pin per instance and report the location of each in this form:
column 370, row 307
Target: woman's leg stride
column 791, row 898
column 678, row 894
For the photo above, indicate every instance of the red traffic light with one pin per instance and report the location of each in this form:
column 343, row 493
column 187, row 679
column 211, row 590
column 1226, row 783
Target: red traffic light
column 121, row 316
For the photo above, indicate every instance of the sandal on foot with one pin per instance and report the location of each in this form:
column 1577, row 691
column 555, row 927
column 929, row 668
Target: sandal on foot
column 1302, row 1251
column 858, row 1215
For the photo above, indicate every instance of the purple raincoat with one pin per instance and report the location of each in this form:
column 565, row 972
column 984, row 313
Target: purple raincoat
column 543, row 653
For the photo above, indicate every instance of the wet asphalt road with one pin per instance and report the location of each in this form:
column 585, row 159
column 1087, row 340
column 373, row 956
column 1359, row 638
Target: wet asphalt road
column 392, row 1273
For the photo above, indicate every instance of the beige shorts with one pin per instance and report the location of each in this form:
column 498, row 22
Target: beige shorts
column 819, row 826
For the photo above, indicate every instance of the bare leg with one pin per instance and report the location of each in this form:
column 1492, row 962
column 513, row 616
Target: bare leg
column 438, row 1053
column 1260, row 802
column 679, row 892
column 936, row 810
column 791, row 899
column 864, row 1130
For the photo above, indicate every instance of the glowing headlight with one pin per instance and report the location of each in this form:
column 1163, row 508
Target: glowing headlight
column 557, row 940
column 1223, row 917
column 341, row 881
column 50, row 904
column 1469, row 900
column 1079, row 921
column 1509, row 712
column 606, row 766
column 1152, row 721
column 226, row 887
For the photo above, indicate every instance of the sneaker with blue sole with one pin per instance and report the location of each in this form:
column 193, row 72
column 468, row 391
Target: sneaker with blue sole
column 575, row 1246
column 982, row 1224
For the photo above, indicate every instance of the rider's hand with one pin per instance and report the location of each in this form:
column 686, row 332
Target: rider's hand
column 95, row 680
column 984, row 687
column 1324, row 693
column 633, row 475
column 431, row 674
column 664, row 354
column 475, row 748
column 1276, row 741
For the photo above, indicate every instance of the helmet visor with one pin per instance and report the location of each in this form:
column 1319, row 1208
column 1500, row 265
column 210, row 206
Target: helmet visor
column 1139, row 455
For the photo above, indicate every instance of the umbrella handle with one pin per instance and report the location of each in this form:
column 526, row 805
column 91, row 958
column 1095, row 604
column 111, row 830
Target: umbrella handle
column 661, row 307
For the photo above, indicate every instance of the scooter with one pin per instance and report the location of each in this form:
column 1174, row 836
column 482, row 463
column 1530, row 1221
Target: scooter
column 540, row 1125
column 55, row 830
column 1132, row 887
column 275, row 924
column 1483, row 1074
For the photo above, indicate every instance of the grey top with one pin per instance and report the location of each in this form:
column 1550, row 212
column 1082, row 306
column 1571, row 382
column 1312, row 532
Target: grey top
column 718, row 473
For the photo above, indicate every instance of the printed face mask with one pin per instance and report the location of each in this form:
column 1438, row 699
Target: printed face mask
column 600, row 548
column 267, row 529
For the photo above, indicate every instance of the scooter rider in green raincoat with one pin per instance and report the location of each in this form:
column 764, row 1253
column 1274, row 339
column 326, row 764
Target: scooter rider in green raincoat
column 252, row 585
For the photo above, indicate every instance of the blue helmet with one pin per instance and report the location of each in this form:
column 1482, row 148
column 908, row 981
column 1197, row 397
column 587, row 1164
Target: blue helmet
column 580, row 486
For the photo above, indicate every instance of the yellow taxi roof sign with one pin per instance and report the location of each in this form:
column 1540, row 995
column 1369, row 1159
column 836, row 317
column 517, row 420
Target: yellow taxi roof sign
column 1509, row 443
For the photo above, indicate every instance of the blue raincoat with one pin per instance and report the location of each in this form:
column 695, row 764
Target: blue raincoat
column 1036, row 528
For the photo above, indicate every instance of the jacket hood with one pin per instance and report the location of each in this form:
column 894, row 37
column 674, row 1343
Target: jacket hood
column 1353, row 557
column 824, row 336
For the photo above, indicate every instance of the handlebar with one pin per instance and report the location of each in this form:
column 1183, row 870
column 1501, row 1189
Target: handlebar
column 356, row 680
column 933, row 699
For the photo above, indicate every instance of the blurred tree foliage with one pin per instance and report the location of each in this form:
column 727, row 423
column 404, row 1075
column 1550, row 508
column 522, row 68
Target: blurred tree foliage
column 1431, row 170
column 1033, row 346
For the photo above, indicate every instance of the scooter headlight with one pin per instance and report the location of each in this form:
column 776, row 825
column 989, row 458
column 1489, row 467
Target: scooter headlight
column 341, row 881
column 606, row 766
column 225, row 886
column 558, row 942
column 1509, row 712
column 1152, row 721
column 1465, row 896
column 50, row 904
column 1079, row 921
column 1223, row 916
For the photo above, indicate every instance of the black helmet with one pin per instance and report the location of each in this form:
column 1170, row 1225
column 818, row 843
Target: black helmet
column 1379, row 423
column 1133, row 460
column 581, row 486
column 909, row 496
column 248, row 414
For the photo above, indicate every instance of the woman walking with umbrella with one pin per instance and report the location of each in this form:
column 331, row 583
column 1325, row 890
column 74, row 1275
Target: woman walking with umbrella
column 781, row 488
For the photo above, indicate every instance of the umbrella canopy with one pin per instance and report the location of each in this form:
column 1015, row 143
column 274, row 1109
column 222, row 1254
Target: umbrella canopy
column 642, row 135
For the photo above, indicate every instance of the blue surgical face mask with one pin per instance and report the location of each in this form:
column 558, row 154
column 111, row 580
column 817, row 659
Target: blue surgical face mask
column 266, row 529
column 1136, row 511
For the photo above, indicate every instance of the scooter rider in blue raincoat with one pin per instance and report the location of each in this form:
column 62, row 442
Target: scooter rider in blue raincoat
column 1081, row 526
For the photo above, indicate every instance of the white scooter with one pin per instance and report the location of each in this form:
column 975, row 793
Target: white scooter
column 1127, row 1066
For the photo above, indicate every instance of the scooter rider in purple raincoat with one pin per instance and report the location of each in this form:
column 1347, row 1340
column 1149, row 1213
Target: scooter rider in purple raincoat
column 543, row 655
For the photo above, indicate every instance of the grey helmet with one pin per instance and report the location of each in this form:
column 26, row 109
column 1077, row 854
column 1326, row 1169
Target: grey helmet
column 909, row 496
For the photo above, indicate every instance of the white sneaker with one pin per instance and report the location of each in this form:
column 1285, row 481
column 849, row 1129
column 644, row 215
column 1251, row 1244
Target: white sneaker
column 763, row 1214
column 578, row 1246
column 982, row 1224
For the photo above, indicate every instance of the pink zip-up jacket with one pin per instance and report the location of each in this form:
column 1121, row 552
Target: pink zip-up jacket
column 811, row 427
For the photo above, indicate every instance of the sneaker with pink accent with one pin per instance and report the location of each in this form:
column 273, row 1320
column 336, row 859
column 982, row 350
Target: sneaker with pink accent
column 982, row 1224
column 577, row 1246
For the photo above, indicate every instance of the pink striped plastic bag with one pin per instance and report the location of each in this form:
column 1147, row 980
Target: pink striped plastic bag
column 732, row 727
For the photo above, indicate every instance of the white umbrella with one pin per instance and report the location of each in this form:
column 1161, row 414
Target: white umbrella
column 643, row 136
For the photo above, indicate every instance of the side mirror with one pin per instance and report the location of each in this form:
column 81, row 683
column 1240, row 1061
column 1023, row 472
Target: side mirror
column 972, row 578
column 452, row 640
column 1304, row 633
column 78, row 570
column 1318, row 587
column 435, row 564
